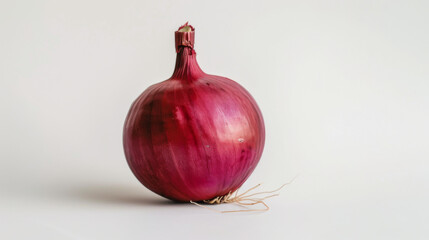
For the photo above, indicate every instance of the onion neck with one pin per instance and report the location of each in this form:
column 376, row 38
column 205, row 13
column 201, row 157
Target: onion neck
column 186, row 62
column 187, row 67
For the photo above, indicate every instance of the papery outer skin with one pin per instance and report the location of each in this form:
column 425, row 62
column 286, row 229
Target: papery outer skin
column 194, row 136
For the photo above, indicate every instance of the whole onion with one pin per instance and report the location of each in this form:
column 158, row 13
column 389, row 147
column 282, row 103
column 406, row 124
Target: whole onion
column 194, row 136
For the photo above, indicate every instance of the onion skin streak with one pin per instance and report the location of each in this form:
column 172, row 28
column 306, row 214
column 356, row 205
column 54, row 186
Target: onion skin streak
column 194, row 136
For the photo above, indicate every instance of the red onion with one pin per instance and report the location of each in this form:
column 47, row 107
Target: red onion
column 194, row 136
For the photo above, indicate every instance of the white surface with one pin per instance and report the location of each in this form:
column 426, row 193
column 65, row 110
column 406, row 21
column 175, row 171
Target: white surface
column 343, row 86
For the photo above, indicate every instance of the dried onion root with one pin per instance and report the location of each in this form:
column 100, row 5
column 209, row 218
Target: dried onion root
column 243, row 199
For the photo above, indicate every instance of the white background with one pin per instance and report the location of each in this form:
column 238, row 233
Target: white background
column 343, row 86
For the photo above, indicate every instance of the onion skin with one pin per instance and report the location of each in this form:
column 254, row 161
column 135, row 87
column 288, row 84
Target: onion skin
column 194, row 136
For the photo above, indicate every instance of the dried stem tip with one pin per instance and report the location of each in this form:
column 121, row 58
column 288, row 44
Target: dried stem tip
column 185, row 37
column 186, row 28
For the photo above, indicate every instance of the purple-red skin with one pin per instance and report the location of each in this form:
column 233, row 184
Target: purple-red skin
column 194, row 136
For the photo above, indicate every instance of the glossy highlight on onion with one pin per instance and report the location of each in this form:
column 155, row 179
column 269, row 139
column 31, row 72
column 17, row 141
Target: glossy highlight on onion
column 195, row 136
